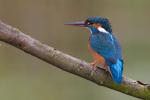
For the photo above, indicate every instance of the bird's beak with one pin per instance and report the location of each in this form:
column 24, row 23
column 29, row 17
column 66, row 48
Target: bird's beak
column 81, row 23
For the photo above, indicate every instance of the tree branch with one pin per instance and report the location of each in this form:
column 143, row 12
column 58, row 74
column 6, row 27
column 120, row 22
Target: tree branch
column 70, row 64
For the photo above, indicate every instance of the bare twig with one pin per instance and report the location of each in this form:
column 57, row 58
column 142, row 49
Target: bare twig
column 71, row 64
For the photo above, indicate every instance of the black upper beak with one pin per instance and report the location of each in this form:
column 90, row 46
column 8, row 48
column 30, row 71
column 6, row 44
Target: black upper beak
column 81, row 23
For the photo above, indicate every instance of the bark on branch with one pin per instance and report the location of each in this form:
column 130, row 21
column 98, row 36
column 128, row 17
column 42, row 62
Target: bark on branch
column 70, row 64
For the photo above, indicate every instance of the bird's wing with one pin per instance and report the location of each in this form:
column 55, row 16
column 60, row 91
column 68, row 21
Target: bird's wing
column 117, row 48
column 103, row 44
column 108, row 46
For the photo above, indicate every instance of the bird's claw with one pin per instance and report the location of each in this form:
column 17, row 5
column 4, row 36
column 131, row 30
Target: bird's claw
column 94, row 65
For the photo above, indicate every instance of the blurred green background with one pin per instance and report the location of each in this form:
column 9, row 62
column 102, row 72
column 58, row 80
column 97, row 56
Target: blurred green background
column 24, row 77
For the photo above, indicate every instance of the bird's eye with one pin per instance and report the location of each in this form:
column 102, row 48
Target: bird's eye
column 89, row 23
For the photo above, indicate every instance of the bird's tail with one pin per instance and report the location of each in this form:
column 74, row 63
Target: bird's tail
column 116, row 71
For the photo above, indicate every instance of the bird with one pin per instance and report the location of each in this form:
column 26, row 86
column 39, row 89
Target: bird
column 104, row 46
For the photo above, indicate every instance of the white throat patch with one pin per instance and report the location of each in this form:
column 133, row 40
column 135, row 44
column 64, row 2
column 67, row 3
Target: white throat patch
column 102, row 30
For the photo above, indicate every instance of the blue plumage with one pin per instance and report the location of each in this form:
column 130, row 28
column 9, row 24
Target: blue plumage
column 116, row 71
column 107, row 46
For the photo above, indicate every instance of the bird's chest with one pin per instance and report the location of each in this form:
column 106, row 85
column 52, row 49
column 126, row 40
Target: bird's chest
column 100, row 40
column 95, row 55
column 101, row 44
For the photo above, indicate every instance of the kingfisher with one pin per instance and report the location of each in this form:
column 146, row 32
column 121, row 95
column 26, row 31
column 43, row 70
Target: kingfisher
column 104, row 46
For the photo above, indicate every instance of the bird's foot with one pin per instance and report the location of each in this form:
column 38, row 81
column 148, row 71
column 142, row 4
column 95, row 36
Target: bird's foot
column 94, row 65
column 104, row 67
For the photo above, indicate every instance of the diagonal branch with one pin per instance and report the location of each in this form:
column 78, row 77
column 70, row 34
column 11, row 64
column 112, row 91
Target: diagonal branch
column 70, row 64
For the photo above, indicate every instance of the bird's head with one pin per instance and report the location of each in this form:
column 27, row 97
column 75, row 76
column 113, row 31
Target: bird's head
column 93, row 23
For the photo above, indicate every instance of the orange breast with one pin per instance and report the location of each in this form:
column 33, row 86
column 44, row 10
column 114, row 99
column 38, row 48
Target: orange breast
column 95, row 55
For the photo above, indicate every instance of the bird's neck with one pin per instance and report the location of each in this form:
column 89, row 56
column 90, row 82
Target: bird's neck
column 93, row 30
column 97, row 30
column 102, row 30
